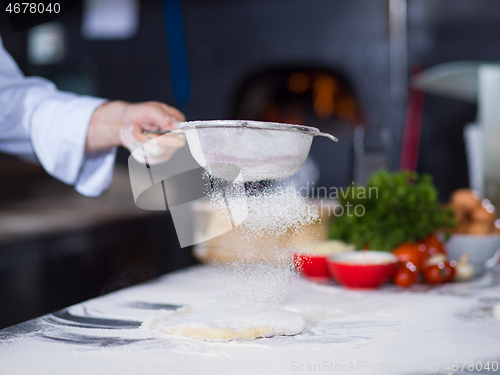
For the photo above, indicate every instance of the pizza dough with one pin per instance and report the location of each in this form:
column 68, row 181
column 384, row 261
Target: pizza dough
column 242, row 326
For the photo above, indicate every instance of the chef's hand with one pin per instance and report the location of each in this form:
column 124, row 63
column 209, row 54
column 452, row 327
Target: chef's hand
column 118, row 123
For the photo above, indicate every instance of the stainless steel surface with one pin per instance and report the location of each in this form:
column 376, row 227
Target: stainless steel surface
column 40, row 215
column 457, row 79
column 398, row 49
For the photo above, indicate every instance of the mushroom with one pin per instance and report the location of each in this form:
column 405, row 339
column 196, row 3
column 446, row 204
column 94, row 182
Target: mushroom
column 464, row 270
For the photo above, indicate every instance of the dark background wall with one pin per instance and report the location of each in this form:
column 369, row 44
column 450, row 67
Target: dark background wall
column 227, row 41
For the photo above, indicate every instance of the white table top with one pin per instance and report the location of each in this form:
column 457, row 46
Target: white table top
column 420, row 330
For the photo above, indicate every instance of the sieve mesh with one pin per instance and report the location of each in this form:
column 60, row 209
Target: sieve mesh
column 249, row 150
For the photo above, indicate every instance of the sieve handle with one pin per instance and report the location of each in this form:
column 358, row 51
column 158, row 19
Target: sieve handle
column 335, row 139
column 161, row 132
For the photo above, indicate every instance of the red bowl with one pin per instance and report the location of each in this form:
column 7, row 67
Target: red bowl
column 362, row 269
column 313, row 266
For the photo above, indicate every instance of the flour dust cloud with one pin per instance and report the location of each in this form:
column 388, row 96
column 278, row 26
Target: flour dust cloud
column 256, row 277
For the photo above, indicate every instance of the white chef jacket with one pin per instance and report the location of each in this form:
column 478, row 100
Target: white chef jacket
column 39, row 122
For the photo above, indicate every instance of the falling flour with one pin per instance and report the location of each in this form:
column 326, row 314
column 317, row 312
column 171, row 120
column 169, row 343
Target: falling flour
column 262, row 209
column 249, row 289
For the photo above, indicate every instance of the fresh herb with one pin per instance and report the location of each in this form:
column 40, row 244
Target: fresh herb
column 398, row 207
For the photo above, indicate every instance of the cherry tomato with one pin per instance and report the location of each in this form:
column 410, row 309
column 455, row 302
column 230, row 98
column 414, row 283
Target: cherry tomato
column 444, row 272
column 405, row 275
column 432, row 245
column 410, row 252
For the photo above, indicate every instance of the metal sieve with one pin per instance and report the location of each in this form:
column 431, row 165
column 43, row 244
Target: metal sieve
column 249, row 150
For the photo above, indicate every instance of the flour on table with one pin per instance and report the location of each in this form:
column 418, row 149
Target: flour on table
column 246, row 299
column 198, row 325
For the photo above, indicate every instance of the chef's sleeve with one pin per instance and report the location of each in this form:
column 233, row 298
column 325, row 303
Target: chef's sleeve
column 38, row 121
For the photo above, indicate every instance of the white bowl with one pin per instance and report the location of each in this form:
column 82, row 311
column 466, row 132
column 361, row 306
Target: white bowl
column 481, row 249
